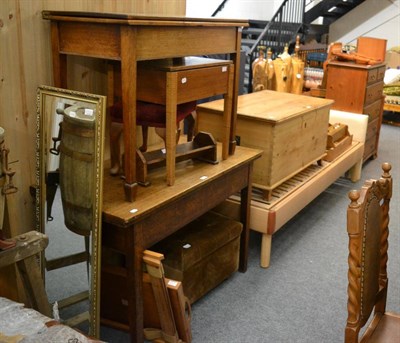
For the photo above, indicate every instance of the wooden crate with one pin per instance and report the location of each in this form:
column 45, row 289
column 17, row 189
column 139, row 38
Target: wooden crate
column 291, row 129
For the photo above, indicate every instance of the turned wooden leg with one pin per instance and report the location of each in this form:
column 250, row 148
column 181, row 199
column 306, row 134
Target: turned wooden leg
column 265, row 250
column 355, row 172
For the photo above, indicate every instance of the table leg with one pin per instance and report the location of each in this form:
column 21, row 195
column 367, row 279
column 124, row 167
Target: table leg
column 245, row 201
column 236, row 76
column 59, row 60
column 170, row 141
column 134, row 268
column 227, row 115
column 128, row 77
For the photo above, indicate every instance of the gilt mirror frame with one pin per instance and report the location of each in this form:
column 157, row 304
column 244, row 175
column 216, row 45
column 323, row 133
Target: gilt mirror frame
column 42, row 138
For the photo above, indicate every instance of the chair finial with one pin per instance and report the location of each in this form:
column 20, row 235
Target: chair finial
column 386, row 167
column 354, row 195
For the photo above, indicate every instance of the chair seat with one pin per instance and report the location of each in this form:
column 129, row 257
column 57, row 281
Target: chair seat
column 153, row 115
column 386, row 331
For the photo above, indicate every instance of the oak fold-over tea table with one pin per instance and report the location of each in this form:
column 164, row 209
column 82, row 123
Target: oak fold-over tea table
column 132, row 38
column 130, row 228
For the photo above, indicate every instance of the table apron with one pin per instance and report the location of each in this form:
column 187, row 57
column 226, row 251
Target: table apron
column 182, row 211
column 104, row 40
column 169, row 218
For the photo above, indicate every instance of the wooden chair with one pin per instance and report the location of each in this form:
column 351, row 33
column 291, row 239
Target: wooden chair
column 367, row 226
column 25, row 256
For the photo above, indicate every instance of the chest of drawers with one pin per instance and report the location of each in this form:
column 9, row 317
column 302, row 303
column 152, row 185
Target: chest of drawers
column 358, row 88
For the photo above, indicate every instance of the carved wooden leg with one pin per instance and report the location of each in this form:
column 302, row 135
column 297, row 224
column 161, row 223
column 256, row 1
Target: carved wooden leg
column 265, row 250
column 145, row 134
column 115, row 151
column 190, row 121
column 162, row 132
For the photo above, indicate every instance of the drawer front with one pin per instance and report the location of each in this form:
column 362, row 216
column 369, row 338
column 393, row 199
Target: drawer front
column 373, row 110
column 373, row 93
column 381, row 73
column 203, row 82
column 376, row 75
column 369, row 149
column 372, row 76
column 370, row 141
column 190, row 84
column 372, row 129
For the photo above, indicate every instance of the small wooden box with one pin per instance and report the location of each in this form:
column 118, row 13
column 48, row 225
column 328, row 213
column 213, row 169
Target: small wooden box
column 291, row 129
column 339, row 139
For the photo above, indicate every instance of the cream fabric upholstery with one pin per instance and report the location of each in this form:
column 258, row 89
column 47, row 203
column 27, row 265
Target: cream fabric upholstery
column 357, row 124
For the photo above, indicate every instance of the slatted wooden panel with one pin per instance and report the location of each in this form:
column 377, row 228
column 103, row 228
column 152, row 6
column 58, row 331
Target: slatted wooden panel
column 25, row 63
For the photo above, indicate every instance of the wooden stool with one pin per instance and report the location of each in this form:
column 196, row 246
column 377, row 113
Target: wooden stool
column 175, row 81
column 147, row 114
column 24, row 255
column 171, row 82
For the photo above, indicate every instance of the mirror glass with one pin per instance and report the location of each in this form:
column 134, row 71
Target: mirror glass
column 70, row 136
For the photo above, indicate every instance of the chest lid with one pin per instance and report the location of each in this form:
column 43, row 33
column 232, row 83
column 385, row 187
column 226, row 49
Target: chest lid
column 271, row 106
column 276, row 107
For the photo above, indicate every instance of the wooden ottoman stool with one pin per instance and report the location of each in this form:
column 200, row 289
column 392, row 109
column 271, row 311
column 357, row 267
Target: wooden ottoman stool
column 148, row 115
column 202, row 254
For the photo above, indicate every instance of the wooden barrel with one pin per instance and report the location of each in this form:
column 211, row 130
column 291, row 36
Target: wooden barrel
column 77, row 168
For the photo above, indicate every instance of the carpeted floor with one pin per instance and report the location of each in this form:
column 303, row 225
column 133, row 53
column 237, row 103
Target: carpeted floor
column 302, row 296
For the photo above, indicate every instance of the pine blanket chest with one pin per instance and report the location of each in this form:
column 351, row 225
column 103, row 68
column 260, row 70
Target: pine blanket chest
column 290, row 129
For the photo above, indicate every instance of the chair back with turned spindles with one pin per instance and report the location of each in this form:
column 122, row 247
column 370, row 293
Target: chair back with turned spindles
column 368, row 230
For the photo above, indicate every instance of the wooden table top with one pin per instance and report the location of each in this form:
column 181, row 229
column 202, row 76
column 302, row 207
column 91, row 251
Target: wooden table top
column 270, row 106
column 143, row 20
column 190, row 175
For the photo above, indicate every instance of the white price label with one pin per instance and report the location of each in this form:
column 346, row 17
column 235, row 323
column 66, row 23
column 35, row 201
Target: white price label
column 88, row 112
